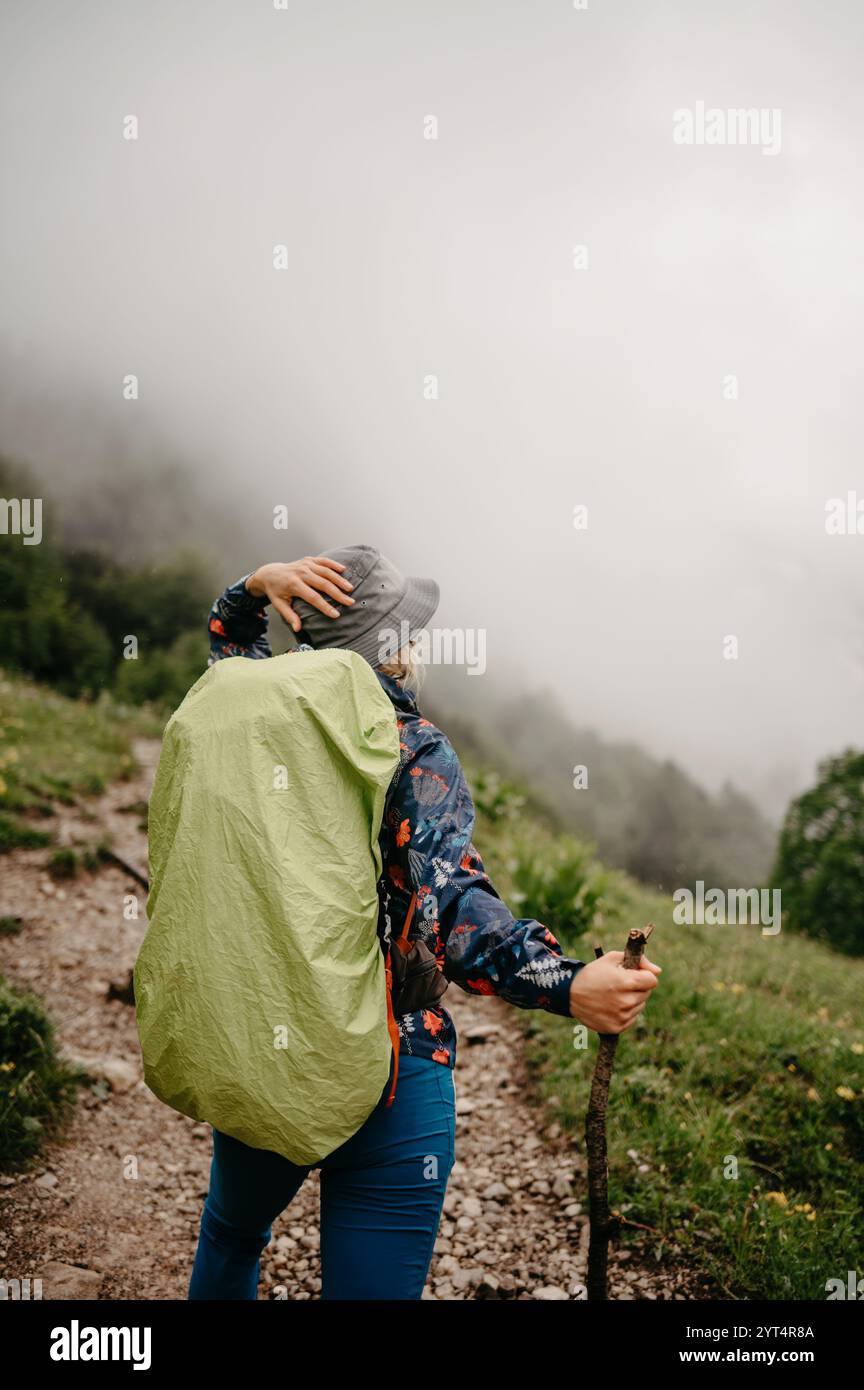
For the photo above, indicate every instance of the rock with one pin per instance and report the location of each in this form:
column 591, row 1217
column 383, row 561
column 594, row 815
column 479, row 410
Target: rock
column 488, row 1287
column 561, row 1185
column 467, row 1278
column 481, row 1033
column 496, row 1192
column 63, row 1281
column 550, row 1293
column 472, row 1206
column 120, row 1075
column 122, row 988
column 123, row 1248
column 465, row 1107
column 48, row 1180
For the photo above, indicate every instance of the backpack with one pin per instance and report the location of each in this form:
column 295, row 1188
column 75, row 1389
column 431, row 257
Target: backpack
column 263, row 999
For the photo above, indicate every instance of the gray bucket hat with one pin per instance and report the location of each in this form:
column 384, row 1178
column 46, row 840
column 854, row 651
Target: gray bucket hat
column 386, row 607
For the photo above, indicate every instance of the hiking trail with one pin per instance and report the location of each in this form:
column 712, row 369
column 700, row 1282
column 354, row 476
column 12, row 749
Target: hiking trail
column 112, row 1211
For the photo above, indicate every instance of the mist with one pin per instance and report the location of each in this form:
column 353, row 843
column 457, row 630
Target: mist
column 543, row 307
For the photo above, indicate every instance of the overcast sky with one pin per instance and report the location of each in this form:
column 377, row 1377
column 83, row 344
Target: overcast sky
column 454, row 257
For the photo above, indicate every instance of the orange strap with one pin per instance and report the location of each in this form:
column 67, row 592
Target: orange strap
column 392, row 1026
column 402, row 939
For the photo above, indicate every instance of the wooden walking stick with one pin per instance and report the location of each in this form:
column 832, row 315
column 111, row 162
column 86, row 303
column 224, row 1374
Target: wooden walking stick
column 601, row 1223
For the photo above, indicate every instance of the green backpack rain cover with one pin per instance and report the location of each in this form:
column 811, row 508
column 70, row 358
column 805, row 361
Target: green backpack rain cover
column 259, row 987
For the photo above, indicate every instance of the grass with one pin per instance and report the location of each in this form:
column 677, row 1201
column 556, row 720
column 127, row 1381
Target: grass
column 736, row 1118
column 740, row 1092
column 53, row 749
column 36, row 1088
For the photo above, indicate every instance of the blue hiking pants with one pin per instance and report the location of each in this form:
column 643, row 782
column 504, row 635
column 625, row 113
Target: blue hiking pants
column 381, row 1197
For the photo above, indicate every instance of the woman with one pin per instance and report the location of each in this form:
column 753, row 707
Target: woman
column 382, row 1191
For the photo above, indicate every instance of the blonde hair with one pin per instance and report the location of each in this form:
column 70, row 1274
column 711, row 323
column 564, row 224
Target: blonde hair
column 407, row 668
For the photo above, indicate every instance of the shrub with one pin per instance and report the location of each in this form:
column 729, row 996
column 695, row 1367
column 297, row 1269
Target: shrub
column 559, row 884
column 35, row 1087
column 820, row 859
column 162, row 676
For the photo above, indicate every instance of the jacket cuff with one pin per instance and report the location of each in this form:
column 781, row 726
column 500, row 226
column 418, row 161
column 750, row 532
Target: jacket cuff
column 241, row 597
column 559, row 993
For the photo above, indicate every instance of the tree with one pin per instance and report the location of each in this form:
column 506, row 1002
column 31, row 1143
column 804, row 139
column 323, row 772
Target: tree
column 820, row 858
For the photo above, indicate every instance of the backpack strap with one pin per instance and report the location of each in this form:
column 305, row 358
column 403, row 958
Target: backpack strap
column 392, row 1026
column 402, row 938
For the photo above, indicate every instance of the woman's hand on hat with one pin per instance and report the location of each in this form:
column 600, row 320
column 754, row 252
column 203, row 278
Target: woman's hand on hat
column 310, row 579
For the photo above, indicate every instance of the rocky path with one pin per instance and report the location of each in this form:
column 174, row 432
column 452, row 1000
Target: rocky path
column 113, row 1210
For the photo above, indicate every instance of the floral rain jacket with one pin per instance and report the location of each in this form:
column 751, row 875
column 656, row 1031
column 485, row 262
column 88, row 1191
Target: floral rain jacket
column 426, row 849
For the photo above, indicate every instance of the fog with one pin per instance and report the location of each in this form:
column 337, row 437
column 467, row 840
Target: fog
column 453, row 257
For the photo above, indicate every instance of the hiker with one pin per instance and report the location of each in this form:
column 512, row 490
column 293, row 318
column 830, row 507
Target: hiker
column 382, row 1191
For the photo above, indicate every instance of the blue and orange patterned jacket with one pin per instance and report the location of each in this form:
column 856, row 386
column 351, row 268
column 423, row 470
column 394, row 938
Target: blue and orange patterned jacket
column 426, row 849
